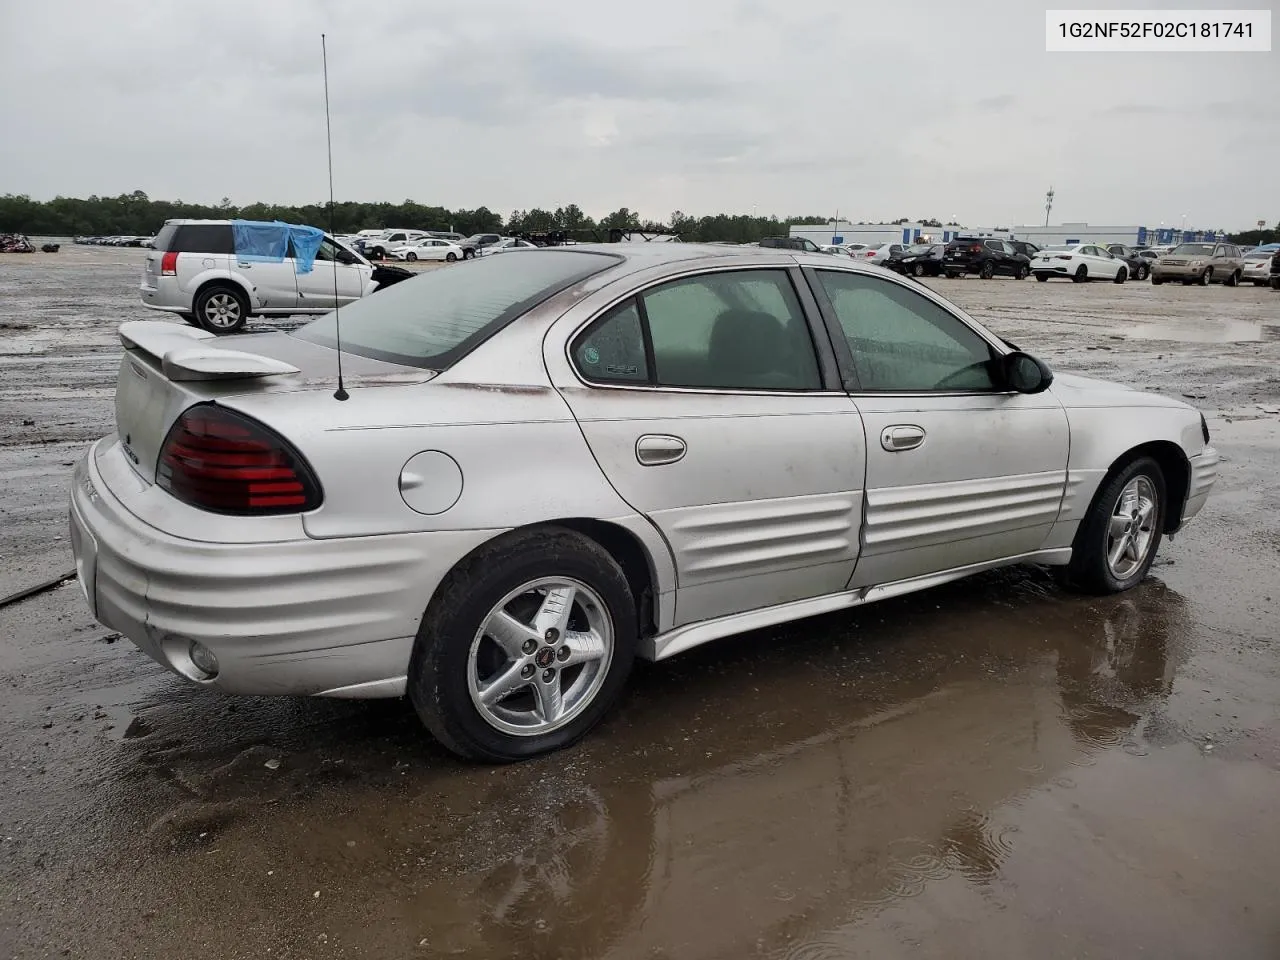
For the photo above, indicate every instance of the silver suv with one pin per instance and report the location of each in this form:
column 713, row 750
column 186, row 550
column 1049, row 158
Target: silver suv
column 193, row 271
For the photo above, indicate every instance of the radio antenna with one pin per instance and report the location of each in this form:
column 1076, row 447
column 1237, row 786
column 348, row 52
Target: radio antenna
column 341, row 392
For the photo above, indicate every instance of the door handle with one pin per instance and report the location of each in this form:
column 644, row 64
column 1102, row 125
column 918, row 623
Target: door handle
column 655, row 449
column 901, row 437
column 244, row 266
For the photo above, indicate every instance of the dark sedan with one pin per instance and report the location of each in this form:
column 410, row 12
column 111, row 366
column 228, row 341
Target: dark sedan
column 919, row 260
column 1139, row 266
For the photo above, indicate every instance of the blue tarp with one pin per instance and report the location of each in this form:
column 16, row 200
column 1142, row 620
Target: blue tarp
column 268, row 241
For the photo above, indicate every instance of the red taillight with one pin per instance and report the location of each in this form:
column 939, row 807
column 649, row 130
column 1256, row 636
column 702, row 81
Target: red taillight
column 169, row 264
column 976, row 248
column 871, row 253
column 226, row 463
column 1062, row 256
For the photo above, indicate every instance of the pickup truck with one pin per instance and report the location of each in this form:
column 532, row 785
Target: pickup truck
column 375, row 248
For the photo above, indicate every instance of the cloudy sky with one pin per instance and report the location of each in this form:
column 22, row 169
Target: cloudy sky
column 877, row 109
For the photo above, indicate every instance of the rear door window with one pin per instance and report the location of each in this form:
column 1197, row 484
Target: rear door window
column 202, row 238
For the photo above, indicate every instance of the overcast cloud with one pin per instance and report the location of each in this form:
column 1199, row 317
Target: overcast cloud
column 878, row 110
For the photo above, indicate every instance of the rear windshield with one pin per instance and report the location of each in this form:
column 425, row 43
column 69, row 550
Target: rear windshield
column 438, row 317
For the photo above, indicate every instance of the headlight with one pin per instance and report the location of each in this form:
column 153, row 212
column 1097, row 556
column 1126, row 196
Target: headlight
column 1197, row 263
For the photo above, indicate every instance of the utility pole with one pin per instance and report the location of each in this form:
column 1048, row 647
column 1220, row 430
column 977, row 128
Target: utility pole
column 1048, row 205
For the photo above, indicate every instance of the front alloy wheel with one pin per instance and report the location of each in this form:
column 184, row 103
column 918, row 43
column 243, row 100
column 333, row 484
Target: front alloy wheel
column 1118, row 538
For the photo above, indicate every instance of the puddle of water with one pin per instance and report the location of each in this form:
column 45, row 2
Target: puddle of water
column 1206, row 331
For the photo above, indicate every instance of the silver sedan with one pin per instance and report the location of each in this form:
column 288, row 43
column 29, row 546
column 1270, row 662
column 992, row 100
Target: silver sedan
column 537, row 468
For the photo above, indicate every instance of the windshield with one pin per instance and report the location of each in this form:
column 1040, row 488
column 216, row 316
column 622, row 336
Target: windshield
column 919, row 248
column 436, row 318
column 1204, row 249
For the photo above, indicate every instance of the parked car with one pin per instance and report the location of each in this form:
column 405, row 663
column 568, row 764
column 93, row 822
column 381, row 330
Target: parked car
column 881, row 253
column 1275, row 270
column 1079, row 262
column 195, row 271
column 1026, row 248
column 377, row 248
column 1139, row 266
column 477, row 242
column 446, row 235
column 919, row 260
column 986, row 257
column 1203, row 263
column 235, row 541
column 428, row 248
column 1257, row 267
column 506, row 245
column 802, row 244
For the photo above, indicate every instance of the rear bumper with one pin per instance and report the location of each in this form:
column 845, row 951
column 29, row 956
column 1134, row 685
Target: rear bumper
column 162, row 293
column 302, row 617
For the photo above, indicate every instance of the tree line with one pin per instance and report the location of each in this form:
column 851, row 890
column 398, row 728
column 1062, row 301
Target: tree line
column 136, row 214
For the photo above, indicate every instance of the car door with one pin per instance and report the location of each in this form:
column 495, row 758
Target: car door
column 709, row 410
column 330, row 282
column 273, row 281
column 960, row 469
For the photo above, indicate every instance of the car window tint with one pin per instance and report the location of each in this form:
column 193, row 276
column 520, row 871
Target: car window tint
column 901, row 340
column 741, row 330
column 203, row 238
column 612, row 348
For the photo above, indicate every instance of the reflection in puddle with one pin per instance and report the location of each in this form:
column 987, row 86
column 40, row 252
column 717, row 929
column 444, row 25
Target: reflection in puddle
column 1205, row 331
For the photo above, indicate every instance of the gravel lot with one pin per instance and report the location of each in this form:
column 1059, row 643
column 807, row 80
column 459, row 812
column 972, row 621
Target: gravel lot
column 993, row 768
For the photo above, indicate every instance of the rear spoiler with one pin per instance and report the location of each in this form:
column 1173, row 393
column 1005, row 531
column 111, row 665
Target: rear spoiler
column 184, row 353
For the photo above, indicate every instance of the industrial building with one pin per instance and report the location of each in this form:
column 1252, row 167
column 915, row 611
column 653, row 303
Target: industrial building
column 841, row 232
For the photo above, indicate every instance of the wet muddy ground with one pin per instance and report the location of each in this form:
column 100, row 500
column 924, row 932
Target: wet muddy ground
column 993, row 768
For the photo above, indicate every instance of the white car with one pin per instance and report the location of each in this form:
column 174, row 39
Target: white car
column 881, row 253
column 1079, row 262
column 848, row 249
column 427, row 248
column 506, row 246
column 1257, row 266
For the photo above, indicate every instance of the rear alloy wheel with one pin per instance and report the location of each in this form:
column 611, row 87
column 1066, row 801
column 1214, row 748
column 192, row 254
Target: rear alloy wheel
column 1081, row 274
column 524, row 647
column 221, row 310
column 1143, row 272
column 1206, row 278
column 1122, row 275
column 451, row 257
column 988, row 270
column 918, row 270
column 190, row 318
column 1024, row 271
column 1118, row 539
column 1232, row 280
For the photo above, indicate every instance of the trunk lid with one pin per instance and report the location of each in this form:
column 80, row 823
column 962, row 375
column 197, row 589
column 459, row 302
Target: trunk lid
column 168, row 367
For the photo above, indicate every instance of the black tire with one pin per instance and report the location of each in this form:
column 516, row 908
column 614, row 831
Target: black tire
column 1024, row 271
column 1156, row 281
column 438, row 670
column 1089, row 570
column 451, row 257
column 918, row 270
column 988, row 270
column 468, row 254
column 1232, row 280
column 411, row 257
column 1275, row 283
column 190, row 318
column 221, row 309
column 1206, row 278
column 1122, row 276
column 1042, row 278
column 1081, row 275
column 1259, row 283
column 1143, row 272
column 378, row 253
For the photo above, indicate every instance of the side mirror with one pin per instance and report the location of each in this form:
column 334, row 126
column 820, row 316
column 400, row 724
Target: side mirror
column 346, row 257
column 1025, row 374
